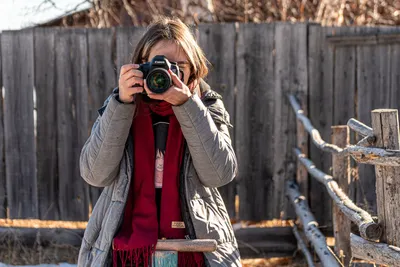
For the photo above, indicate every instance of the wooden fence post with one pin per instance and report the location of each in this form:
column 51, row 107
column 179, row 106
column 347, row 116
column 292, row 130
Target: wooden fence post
column 385, row 124
column 341, row 173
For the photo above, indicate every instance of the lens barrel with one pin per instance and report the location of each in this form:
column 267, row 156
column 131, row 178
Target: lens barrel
column 158, row 80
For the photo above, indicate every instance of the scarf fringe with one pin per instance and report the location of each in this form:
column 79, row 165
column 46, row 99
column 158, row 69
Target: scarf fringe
column 134, row 256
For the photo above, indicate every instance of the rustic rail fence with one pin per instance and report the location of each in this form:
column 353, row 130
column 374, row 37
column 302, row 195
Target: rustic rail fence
column 375, row 239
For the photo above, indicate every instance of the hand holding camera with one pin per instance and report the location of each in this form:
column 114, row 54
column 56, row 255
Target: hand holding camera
column 164, row 81
column 160, row 79
column 130, row 82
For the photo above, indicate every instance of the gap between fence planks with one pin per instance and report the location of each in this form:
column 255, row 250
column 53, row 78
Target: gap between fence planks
column 378, row 253
column 310, row 226
column 366, row 225
column 366, row 155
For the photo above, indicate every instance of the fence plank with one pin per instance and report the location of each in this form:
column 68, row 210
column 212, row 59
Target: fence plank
column 46, row 151
column 373, row 68
column 344, row 80
column 102, row 79
column 302, row 144
column 321, row 65
column 18, row 71
column 3, row 188
column 72, row 121
column 320, row 62
column 255, row 124
column 218, row 43
column 385, row 123
column 395, row 76
column 127, row 38
column 291, row 76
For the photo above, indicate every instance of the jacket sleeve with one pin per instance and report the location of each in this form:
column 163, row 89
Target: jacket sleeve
column 102, row 153
column 208, row 141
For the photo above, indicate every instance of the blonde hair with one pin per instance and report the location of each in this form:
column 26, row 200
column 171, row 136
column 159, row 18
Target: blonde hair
column 173, row 29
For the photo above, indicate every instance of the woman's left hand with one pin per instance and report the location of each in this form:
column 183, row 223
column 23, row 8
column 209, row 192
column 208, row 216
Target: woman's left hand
column 177, row 94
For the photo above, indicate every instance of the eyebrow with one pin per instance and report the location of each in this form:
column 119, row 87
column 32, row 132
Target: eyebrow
column 182, row 62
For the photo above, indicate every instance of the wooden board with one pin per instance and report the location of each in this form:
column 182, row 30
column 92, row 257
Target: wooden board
column 385, row 124
column 126, row 41
column 255, row 121
column 291, row 77
column 394, row 76
column 46, row 129
column 373, row 91
column 321, row 63
column 3, row 188
column 341, row 174
column 18, row 78
column 265, row 242
column 344, row 77
column 72, row 121
column 218, row 44
column 102, row 79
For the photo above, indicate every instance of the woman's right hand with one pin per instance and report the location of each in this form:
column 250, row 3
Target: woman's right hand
column 130, row 76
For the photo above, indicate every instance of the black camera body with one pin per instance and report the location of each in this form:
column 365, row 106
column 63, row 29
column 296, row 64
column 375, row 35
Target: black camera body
column 155, row 72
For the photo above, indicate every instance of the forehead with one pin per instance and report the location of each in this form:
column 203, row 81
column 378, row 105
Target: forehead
column 171, row 50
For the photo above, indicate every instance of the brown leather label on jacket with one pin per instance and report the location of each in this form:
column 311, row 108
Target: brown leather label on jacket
column 178, row 225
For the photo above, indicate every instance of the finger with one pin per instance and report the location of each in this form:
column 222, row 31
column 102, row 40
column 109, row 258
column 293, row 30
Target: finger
column 132, row 73
column 128, row 67
column 175, row 79
column 133, row 80
column 134, row 90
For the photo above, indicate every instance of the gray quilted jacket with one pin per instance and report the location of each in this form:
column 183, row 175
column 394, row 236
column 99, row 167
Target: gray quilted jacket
column 209, row 162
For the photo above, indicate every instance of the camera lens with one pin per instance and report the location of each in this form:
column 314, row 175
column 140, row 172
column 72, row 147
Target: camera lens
column 158, row 81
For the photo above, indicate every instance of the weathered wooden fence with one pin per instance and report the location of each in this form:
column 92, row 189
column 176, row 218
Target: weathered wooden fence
column 378, row 146
column 55, row 80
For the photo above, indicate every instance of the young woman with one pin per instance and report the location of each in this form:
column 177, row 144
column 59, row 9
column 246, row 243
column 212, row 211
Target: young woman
column 160, row 158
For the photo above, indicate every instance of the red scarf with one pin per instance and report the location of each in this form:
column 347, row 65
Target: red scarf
column 135, row 241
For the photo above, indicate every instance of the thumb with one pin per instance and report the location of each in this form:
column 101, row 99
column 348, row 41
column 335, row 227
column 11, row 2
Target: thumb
column 175, row 79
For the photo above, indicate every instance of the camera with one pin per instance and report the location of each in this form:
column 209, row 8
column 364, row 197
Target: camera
column 155, row 72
